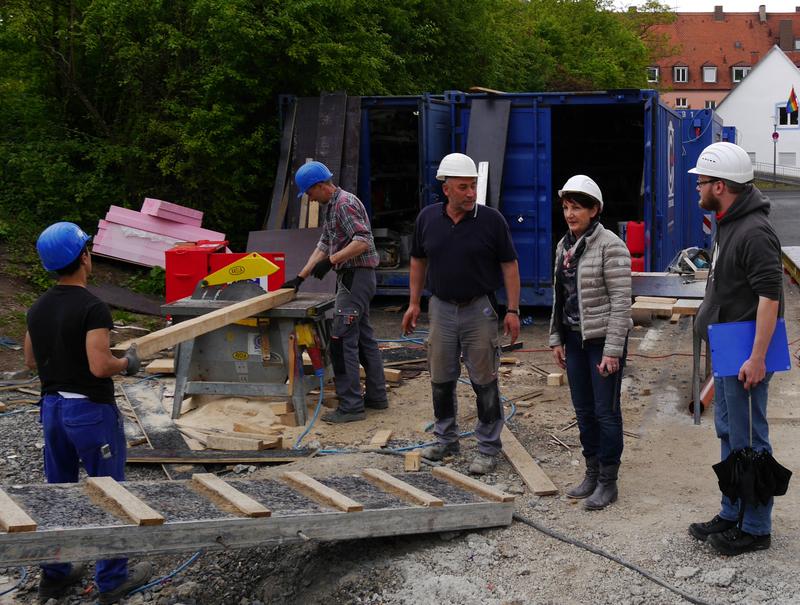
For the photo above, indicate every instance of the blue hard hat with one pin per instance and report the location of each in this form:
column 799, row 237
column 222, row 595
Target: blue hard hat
column 310, row 174
column 60, row 244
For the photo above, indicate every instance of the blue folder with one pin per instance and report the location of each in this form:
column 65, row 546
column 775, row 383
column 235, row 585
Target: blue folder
column 731, row 345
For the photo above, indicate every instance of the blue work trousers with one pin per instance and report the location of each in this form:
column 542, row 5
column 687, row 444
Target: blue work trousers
column 79, row 431
column 732, row 423
column 596, row 398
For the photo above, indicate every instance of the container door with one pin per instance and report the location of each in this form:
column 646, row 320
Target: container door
column 667, row 197
column 434, row 139
column 526, row 198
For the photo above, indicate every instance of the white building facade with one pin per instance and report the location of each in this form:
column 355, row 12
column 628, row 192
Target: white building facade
column 757, row 108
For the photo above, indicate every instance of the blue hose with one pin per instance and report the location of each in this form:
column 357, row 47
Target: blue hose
column 169, row 576
column 321, row 375
column 23, row 575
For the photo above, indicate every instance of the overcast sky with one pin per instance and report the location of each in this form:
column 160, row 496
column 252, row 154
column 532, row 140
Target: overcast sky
column 732, row 6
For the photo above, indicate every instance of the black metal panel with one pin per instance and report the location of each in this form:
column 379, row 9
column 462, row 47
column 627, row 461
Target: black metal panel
column 330, row 132
column 352, row 141
column 486, row 140
column 305, row 144
column 279, row 202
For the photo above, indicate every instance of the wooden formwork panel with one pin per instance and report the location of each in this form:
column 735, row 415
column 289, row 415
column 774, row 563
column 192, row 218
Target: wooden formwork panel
column 73, row 523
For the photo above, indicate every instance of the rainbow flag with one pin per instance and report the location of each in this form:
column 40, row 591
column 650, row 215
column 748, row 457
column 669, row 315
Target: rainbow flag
column 791, row 104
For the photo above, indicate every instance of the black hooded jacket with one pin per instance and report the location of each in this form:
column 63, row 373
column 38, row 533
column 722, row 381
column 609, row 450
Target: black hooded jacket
column 746, row 264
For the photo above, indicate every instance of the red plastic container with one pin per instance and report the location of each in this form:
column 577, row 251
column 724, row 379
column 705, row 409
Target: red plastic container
column 634, row 237
column 637, row 263
column 187, row 264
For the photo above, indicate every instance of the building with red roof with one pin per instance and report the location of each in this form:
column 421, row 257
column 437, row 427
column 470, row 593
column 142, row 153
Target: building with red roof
column 716, row 51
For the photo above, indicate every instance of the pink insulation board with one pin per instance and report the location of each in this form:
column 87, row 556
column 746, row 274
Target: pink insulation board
column 132, row 244
column 172, row 212
column 160, row 226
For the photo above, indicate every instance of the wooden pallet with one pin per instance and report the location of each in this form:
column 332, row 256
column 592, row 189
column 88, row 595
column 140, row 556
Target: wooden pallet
column 101, row 519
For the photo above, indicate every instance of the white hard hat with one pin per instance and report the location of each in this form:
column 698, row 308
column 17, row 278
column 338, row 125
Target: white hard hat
column 725, row 161
column 456, row 164
column 580, row 183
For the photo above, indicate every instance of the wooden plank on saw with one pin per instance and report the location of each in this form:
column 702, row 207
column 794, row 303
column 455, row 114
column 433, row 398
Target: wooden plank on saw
column 154, row 342
column 470, row 484
column 12, row 518
column 400, row 488
column 381, row 438
column 160, row 366
column 134, row 508
column 321, row 493
column 530, row 472
column 241, row 502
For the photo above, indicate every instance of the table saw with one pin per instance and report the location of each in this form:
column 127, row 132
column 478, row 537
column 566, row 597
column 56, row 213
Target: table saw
column 257, row 357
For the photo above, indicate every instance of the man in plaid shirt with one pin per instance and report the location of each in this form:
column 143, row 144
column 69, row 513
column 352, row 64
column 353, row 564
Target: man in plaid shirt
column 347, row 247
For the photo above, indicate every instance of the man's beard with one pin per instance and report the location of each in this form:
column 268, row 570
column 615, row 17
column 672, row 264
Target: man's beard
column 710, row 204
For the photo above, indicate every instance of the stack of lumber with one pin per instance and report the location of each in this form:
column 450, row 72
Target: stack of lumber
column 645, row 307
column 143, row 237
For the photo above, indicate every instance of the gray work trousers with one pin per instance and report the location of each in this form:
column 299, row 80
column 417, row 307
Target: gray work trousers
column 469, row 330
column 353, row 341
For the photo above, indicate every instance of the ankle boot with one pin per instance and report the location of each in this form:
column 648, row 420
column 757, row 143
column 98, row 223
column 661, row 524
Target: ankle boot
column 606, row 491
column 587, row 486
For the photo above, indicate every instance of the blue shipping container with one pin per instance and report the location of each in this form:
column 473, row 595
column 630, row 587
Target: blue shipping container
column 700, row 128
column 626, row 140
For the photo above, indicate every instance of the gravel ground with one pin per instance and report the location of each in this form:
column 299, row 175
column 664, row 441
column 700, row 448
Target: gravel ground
column 666, row 482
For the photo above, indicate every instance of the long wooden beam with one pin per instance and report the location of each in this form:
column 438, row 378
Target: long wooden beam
column 154, row 342
column 530, row 472
column 400, row 488
column 146, row 456
column 134, row 508
column 470, row 484
column 231, row 495
column 320, row 492
column 12, row 517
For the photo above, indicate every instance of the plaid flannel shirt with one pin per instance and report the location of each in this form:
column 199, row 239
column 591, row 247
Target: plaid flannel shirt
column 346, row 220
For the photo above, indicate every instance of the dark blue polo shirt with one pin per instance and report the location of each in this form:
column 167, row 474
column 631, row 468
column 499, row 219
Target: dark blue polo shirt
column 463, row 258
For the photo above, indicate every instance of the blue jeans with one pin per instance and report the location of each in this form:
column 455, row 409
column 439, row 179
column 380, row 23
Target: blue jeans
column 595, row 398
column 75, row 431
column 732, row 423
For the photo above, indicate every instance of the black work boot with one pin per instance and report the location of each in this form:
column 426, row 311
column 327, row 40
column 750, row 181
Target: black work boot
column 589, row 483
column 55, row 588
column 337, row 417
column 717, row 525
column 138, row 576
column 734, row 542
column 440, row 451
column 606, row 491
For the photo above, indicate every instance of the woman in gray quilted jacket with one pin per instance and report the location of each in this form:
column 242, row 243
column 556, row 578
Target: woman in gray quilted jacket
column 589, row 333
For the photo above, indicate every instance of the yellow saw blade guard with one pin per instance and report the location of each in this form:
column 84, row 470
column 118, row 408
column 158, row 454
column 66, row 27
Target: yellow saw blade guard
column 251, row 266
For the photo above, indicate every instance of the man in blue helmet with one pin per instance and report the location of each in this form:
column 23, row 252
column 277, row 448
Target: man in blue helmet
column 68, row 342
column 347, row 247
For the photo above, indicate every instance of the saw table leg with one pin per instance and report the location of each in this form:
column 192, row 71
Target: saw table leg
column 183, row 360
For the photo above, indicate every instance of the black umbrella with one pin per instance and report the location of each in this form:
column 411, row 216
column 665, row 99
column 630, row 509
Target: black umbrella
column 751, row 477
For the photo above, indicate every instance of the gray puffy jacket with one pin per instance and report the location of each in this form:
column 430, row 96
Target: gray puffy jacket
column 604, row 292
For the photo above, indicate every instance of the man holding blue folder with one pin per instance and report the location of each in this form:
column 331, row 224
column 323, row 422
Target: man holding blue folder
column 745, row 284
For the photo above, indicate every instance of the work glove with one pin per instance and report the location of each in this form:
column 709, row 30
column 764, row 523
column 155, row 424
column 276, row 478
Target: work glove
column 321, row 269
column 133, row 362
column 294, row 284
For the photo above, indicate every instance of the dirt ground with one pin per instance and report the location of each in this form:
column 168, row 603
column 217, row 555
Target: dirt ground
column 666, row 482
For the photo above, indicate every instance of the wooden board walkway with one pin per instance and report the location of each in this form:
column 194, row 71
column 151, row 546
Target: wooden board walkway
column 83, row 521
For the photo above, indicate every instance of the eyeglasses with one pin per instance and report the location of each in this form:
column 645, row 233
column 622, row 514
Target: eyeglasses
column 701, row 183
